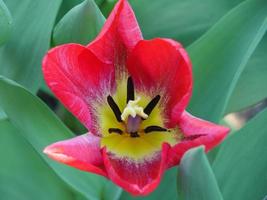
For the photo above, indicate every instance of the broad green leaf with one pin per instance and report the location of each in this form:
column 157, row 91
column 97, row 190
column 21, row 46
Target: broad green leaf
column 2, row 114
column 69, row 4
column 196, row 180
column 80, row 25
column 240, row 165
column 251, row 86
column 99, row 2
column 5, row 23
column 20, row 57
column 41, row 127
column 184, row 21
column 220, row 55
column 69, row 120
column 111, row 191
column 23, row 174
column 65, row 7
column 45, row 88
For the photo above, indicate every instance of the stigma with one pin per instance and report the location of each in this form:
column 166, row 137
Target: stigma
column 134, row 110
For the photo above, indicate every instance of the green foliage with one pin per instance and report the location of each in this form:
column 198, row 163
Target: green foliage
column 240, row 166
column 5, row 23
column 80, row 25
column 219, row 57
column 20, row 57
column 251, row 86
column 196, row 180
column 66, row 5
column 2, row 114
column 41, row 127
column 184, row 21
column 31, row 178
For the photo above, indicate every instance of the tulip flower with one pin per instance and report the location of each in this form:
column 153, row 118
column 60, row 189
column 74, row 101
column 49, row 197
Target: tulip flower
column 131, row 94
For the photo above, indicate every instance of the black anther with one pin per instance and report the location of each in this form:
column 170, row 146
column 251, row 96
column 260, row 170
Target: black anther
column 151, row 105
column 130, row 89
column 115, row 130
column 115, row 108
column 154, row 128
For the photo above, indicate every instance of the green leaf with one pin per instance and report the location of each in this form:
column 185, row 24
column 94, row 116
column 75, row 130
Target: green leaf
column 2, row 114
column 111, row 191
column 181, row 20
column 65, row 7
column 20, row 57
column 196, row 180
column 23, row 174
column 240, row 166
column 99, row 2
column 252, row 83
column 5, row 23
column 220, row 55
column 80, row 25
column 70, row 120
column 41, row 127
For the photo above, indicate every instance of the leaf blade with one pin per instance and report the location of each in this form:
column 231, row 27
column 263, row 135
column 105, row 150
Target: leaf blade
column 240, row 158
column 80, row 25
column 5, row 23
column 251, row 84
column 223, row 56
column 20, row 57
column 41, row 127
column 196, row 180
column 22, row 175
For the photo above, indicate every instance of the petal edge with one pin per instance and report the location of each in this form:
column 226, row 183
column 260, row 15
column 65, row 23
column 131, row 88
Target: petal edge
column 82, row 152
column 136, row 187
column 210, row 135
column 121, row 31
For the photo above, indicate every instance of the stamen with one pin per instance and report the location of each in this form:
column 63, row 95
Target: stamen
column 115, row 108
column 134, row 134
column 151, row 105
column 130, row 89
column 115, row 130
column 154, row 128
column 193, row 137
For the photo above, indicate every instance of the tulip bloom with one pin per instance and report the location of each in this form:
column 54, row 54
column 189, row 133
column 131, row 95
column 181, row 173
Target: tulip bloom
column 131, row 94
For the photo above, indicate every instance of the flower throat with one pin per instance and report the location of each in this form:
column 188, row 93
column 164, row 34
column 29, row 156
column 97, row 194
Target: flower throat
column 133, row 114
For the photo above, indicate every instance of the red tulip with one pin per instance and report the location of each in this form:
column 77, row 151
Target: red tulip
column 131, row 94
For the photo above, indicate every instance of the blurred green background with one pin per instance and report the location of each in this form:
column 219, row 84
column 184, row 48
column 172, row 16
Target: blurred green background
column 227, row 43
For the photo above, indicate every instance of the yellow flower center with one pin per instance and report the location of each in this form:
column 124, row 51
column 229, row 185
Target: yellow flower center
column 138, row 131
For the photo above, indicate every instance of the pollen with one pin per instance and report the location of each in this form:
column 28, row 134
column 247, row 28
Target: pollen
column 133, row 109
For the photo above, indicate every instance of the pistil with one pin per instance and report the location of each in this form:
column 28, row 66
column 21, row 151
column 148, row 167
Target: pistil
column 133, row 124
column 133, row 109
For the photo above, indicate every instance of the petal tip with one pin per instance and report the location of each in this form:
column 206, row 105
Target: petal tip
column 56, row 154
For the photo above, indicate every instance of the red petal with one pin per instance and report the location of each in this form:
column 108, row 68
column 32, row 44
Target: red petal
column 136, row 177
column 118, row 36
column 162, row 66
column 77, row 77
column 207, row 134
column 82, row 152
